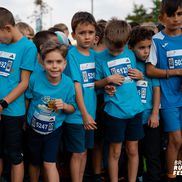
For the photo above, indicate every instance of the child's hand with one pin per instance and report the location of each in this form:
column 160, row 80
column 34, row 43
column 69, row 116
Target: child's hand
column 135, row 74
column 59, row 104
column 110, row 89
column 89, row 123
column 153, row 121
column 116, row 79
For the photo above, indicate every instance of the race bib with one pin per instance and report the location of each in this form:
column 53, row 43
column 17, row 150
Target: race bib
column 121, row 67
column 6, row 63
column 88, row 74
column 142, row 90
column 174, row 58
column 43, row 124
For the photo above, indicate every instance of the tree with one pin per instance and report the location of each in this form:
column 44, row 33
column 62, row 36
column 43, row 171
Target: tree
column 155, row 10
column 139, row 14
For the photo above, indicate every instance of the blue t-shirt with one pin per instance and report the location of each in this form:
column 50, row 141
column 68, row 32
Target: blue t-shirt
column 41, row 114
column 81, row 69
column 166, row 53
column 145, row 87
column 14, row 58
column 145, row 90
column 126, row 101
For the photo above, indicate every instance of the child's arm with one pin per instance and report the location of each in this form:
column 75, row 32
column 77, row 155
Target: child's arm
column 88, row 121
column 112, row 79
column 152, row 71
column 21, row 87
column 67, row 108
column 153, row 120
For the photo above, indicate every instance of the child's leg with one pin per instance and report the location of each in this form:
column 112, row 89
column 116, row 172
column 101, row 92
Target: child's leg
column 83, row 164
column 75, row 167
column 172, row 119
column 49, row 154
column 133, row 159
column 13, row 130
column 74, row 135
column 151, row 149
column 97, row 158
column 113, row 158
column 17, row 172
column 173, row 148
column 134, row 133
column 34, row 172
column 51, row 172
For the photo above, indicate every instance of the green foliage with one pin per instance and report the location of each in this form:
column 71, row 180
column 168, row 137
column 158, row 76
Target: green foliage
column 141, row 15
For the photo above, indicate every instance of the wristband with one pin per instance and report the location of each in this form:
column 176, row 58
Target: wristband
column 3, row 103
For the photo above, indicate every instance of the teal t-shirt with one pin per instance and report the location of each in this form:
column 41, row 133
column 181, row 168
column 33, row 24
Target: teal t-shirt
column 145, row 87
column 41, row 114
column 145, row 90
column 126, row 102
column 81, row 69
column 14, row 58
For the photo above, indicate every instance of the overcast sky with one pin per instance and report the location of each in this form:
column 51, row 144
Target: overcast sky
column 63, row 10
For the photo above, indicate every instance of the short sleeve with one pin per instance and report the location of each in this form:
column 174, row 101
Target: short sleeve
column 71, row 99
column 153, row 54
column 29, row 58
column 73, row 68
column 155, row 82
column 99, row 72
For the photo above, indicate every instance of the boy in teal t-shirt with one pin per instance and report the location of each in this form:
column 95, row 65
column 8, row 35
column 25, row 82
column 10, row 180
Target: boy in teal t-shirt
column 17, row 60
column 149, row 91
column 52, row 97
column 122, row 116
column 81, row 68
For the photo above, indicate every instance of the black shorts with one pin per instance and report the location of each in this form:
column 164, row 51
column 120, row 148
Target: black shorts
column 118, row 130
column 11, row 131
column 43, row 148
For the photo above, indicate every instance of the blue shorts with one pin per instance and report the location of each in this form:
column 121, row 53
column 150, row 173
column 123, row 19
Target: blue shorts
column 11, row 138
column 74, row 136
column 78, row 139
column 118, row 130
column 43, row 148
column 172, row 119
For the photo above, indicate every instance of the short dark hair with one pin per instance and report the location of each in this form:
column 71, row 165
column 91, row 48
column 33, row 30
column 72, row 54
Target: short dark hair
column 117, row 33
column 41, row 37
column 6, row 17
column 50, row 46
column 81, row 18
column 139, row 34
column 170, row 7
column 100, row 28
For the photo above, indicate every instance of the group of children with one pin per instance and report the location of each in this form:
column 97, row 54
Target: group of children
column 55, row 89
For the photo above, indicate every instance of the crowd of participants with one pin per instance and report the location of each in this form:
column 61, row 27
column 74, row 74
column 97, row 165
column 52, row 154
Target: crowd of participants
column 117, row 93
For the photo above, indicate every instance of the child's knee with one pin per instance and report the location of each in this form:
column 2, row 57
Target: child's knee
column 175, row 142
column 49, row 165
column 115, row 152
column 132, row 151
